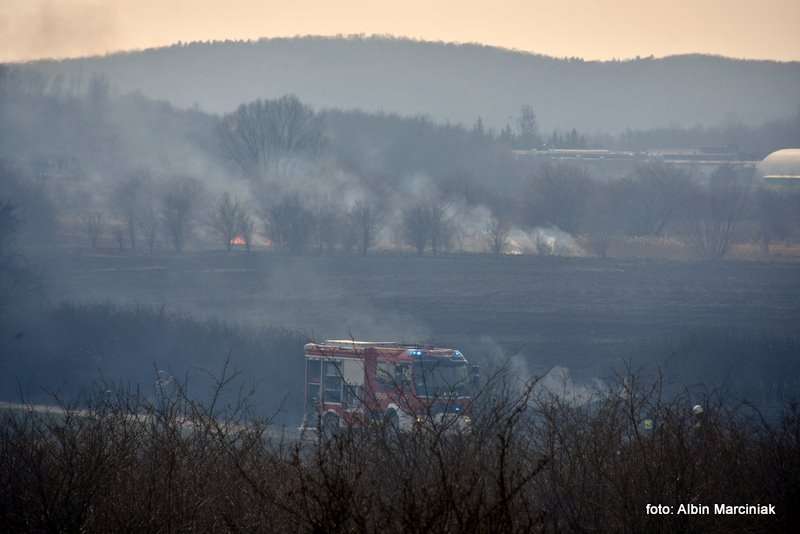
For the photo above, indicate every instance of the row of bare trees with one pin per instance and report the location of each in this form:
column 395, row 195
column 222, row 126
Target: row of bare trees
column 177, row 207
column 661, row 200
column 291, row 225
column 294, row 226
column 657, row 201
column 147, row 209
column 426, row 223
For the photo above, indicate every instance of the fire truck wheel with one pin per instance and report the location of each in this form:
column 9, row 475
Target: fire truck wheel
column 330, row 424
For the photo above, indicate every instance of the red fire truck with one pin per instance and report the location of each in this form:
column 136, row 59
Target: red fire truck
column 351, row 383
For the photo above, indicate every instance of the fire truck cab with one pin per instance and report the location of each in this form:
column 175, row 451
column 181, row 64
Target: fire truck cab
column 352, row 383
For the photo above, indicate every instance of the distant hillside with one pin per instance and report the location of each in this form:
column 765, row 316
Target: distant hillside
column 455, row 82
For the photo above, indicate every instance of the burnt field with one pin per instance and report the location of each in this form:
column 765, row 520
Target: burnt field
column 585, row 314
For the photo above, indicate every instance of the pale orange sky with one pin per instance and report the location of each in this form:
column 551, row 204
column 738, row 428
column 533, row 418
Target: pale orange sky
column 592, row 29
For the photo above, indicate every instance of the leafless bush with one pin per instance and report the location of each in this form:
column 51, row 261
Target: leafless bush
column 532, row 462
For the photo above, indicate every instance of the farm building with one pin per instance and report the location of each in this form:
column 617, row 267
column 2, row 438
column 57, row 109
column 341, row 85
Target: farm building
column 781, row 168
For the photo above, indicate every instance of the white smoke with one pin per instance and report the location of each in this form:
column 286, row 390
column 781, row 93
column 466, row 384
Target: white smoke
column 472, row 234
column 544, row 242
column 519, row 372
column 558, row 382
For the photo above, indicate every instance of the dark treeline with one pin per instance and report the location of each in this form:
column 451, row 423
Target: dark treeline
column 751, row 142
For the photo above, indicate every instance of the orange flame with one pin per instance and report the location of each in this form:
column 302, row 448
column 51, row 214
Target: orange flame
column 238, row 240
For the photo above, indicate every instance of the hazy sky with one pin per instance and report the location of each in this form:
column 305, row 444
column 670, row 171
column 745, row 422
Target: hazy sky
column 593, row 29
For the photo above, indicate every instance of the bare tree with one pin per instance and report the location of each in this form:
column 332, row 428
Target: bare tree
column 289, row 224
column 177, row 210
column 441, row 228
column 416, row 227
column 329, row 228
column 715, row 212
column 365, row 219
column 653, row 197
column 226, row 219
column 94, row 227
column 129, row 197
column 262, row 137
column 559, row 197
column 497, row 230
column 426, row 222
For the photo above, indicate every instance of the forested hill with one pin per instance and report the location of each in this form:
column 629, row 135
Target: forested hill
column 454, row 82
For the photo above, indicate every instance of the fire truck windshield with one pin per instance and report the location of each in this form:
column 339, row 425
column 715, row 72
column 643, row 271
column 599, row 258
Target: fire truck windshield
column 434, row 377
